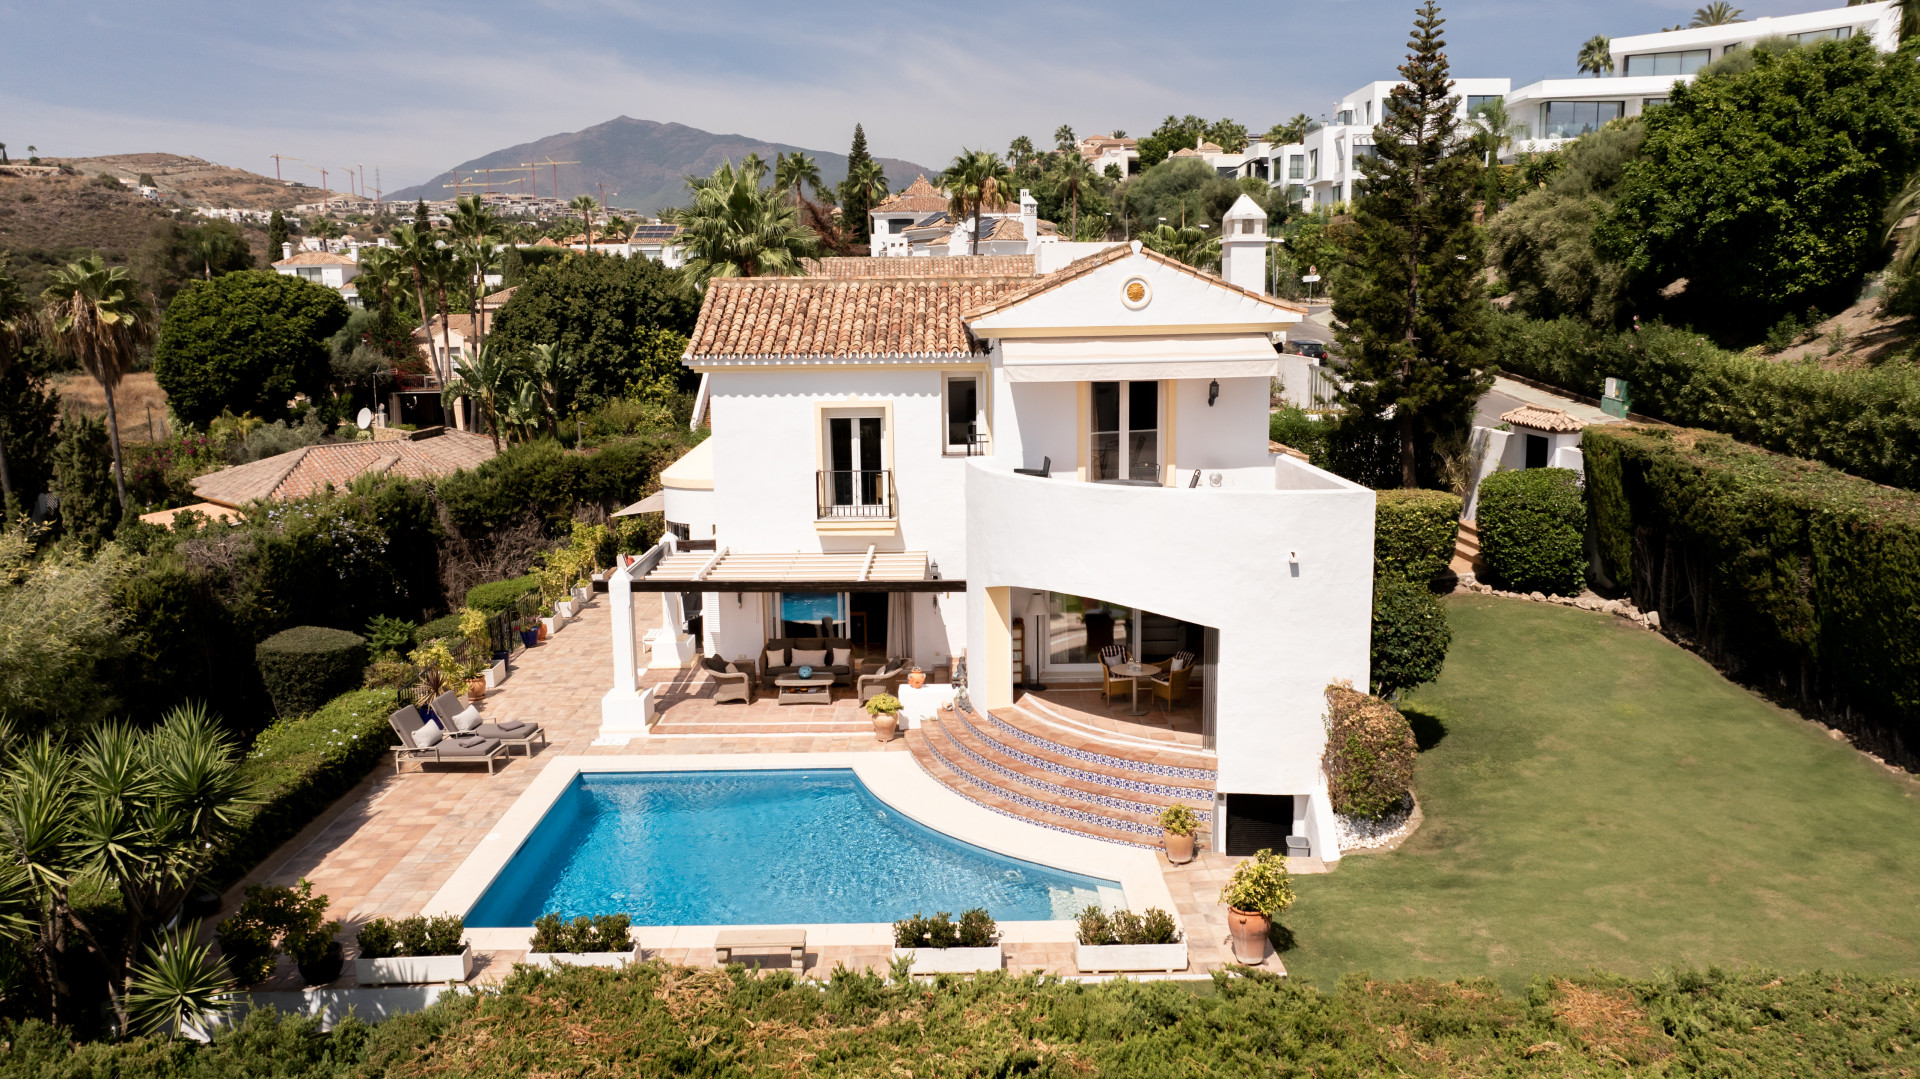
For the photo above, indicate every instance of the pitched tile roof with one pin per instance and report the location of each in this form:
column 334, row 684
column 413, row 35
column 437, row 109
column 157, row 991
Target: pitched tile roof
column 920, row 197
column 1083, row 266
column 843, row 318
column 1543, row 418
column 497, row 299
column 461, row 325
column 317, row 258
column 310, row 469
column 957, row 266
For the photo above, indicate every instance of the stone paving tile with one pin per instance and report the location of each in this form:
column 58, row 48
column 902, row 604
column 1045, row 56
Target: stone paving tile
column 393, row 842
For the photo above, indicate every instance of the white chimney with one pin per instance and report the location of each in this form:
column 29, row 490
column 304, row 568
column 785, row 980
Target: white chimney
column 1243, row 245
column 1030, row 219
column 286, row 251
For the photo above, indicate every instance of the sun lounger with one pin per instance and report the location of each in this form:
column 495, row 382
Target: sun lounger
column 513, row 732
column 448, row 750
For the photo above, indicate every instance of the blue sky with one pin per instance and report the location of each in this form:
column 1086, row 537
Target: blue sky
column 416, row 86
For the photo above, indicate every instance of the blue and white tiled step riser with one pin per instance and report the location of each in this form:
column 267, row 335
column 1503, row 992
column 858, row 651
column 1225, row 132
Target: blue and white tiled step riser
column 1103, row 778
column 1099, row 759
column 1081, row 815
column 1122, row 804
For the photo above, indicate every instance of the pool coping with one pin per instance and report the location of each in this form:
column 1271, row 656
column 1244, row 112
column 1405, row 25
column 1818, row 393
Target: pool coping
column 894, row 778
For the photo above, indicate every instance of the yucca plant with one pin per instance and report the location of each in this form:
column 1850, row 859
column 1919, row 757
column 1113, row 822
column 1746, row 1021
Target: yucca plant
column 180, row 985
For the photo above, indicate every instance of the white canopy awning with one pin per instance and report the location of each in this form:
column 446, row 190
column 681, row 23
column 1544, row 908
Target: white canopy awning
column 1104, row 359
column 653, row 503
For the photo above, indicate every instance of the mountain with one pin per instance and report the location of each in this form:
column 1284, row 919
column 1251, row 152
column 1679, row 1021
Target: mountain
column 646, row 162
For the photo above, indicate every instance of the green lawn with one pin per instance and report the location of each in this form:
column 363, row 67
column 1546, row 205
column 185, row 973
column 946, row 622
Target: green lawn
column 1598, row 797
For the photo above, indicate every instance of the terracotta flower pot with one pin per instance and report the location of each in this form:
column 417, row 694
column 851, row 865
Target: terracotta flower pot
column 543, row 631
column 476, row 689
column 886, row 725
column 1249, row 929
column 1179, row 847
column 916, row 678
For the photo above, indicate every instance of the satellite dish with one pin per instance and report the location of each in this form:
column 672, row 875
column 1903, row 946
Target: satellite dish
column 365, row 419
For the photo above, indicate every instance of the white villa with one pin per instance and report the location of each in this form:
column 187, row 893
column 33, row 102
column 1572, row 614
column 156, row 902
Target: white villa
column 1001, row 475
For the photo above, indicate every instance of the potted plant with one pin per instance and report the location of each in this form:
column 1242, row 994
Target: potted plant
column 916, row 678
column 1177, row 827
column 413, row 951
column 1258, row 892
column 529, row 631
column 939, row 945
column 549, row 624
column 885, row 710
column 1125, row 941
column 601, row 941
column 274, row 918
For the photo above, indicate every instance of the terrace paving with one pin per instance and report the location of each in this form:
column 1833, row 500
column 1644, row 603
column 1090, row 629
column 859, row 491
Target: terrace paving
column 387, row 847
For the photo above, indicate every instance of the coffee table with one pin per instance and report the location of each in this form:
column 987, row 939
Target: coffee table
column 797, row 690
column 1134, row 672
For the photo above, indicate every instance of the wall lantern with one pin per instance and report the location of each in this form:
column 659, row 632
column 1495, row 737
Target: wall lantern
column 1213, row 392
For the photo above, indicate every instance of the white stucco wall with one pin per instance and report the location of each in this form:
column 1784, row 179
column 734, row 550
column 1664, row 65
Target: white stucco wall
column 695, row 509
column 1218, row 558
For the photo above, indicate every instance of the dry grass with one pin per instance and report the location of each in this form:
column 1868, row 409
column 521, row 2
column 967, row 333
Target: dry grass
column 137, row 393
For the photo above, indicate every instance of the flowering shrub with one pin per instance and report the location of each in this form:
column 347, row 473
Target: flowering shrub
column 1370, row 753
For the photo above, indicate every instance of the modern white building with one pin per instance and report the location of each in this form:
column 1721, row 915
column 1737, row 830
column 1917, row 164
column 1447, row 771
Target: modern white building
column 1646, row 67
column 328, row 268
column 1323, row 169
column 1122, row 153
column 950, row 466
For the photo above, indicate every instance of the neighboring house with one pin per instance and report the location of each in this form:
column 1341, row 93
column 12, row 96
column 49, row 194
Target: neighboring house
column 425, row 454
column 1103, row 150
column 1646, row 67
column 862, row 481
column 1323, row 169
column 918, row 223
column 659, row 243
column 320, row 267
column 899, row 212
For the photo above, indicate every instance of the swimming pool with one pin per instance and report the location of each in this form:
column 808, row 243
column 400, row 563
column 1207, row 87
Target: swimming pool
column 759, row 848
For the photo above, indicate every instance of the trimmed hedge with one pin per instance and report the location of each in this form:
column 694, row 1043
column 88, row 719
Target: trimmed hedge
column 444, row 626
column 1410, row 635
column 1369, row 755
column 1533, row 529
column 1791, row 576
column 1864, row 421
column 306, row 666
column 1414, row 533
column 542, row 477
column 496, row 596
column 298, row 767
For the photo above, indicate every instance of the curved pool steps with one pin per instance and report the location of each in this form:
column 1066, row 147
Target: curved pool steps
column 991, row 795
column 1030, row 732
column 984, row 738
column 1146, row 742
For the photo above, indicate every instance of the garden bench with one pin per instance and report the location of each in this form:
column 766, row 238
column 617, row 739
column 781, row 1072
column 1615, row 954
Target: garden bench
column 760, row 940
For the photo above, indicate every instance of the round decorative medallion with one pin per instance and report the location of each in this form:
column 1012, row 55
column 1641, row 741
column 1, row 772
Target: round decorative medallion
column 1136, row 293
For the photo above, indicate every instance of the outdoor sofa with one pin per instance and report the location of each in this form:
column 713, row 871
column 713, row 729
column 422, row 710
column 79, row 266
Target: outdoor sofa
column 790, row 664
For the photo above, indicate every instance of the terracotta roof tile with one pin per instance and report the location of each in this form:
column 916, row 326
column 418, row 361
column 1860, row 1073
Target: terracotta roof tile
column 957, row 266
column 1543, row 418
column 920, row 197
column 1083, row 266
column 310, row 469
column 845, row 318
column 317, row 258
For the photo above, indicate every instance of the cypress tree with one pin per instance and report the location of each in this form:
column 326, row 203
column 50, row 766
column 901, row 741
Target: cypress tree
column 276, row 237
column 1411, row 294
column 421, row 223
column 853, row 198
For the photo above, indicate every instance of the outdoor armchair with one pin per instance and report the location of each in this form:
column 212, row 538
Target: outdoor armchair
column 730, row 683
column 1111, row 683
column 885, row 680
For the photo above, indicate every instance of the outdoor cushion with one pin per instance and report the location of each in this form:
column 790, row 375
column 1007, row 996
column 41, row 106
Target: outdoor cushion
column 468, row 719
column 842, row 657
column 1178, row 664
column 776, row 657
column 427, row 736
column 510, row 725
column 475, row 747
column 715, row 664
column 807, row 657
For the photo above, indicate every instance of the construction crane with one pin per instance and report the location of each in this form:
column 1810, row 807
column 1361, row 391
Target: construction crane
column 360, row 188
column 460, row 186
column 556, row 173
column 323, row 176
column 277, row 158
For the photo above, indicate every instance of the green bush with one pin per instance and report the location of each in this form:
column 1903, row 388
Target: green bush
column 306, row 666
column 1292, row 427
column 1786, row 574
column 384, row 938
column 246, row 343
column 497, row 596
column 1533, row 529
column 298, row 767
column 601, row 933
column 1866, row 421
column 1155, row 926
column 1370, row 753
column 388, row 635
column 444, row 626
column 1410, row 635
column 1414, row 533
column 550, row 482
column 921, row 931
column 273, row 918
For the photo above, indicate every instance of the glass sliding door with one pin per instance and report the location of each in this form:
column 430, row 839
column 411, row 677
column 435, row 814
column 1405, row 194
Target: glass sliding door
column 1124, row 439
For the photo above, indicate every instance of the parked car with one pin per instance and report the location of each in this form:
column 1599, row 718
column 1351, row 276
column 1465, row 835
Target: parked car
column 1316, row 349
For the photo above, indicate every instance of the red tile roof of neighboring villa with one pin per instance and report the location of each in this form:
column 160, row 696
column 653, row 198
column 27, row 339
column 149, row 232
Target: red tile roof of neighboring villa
column 847, row 318
column 311, row 469
column 956, row 266
column 1543, row 418
column 920, row 197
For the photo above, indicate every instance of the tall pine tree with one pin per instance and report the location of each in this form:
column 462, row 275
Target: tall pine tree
column 1411, row 295
column 422, row 224
column 853, row 197
column 276, row 237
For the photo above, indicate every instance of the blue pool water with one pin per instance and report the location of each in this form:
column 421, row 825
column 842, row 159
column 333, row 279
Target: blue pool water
column 760, row 847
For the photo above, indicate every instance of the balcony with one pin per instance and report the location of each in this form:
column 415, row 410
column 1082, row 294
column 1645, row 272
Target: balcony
column 854, row 496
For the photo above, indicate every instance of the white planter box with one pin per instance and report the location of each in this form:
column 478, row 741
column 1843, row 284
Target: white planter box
column 583, row 959
column 552, row 622
column 952, row 960
column 415, row 969
column 496, row 674
column 1091, row 958
column 564, row 608
column 582, row 594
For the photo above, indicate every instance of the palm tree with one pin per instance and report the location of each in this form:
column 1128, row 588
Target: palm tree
column 16, row 328
column 1596, row 56
column 754, row 165
column 1075, row 172
column 871, row 178
column 973, row 183
column 210, row 244
column 1718, row 13
column 94, row 316
column 791, row 171
column 1063, row 140
column 1190, row 244
column 584, row 205
column 476, row 228
column 1491, row 121
column 482, row 377
column 417, row 251
column 736, row 228
column 1294, row 130
column 551, row 365
column 526, row 409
